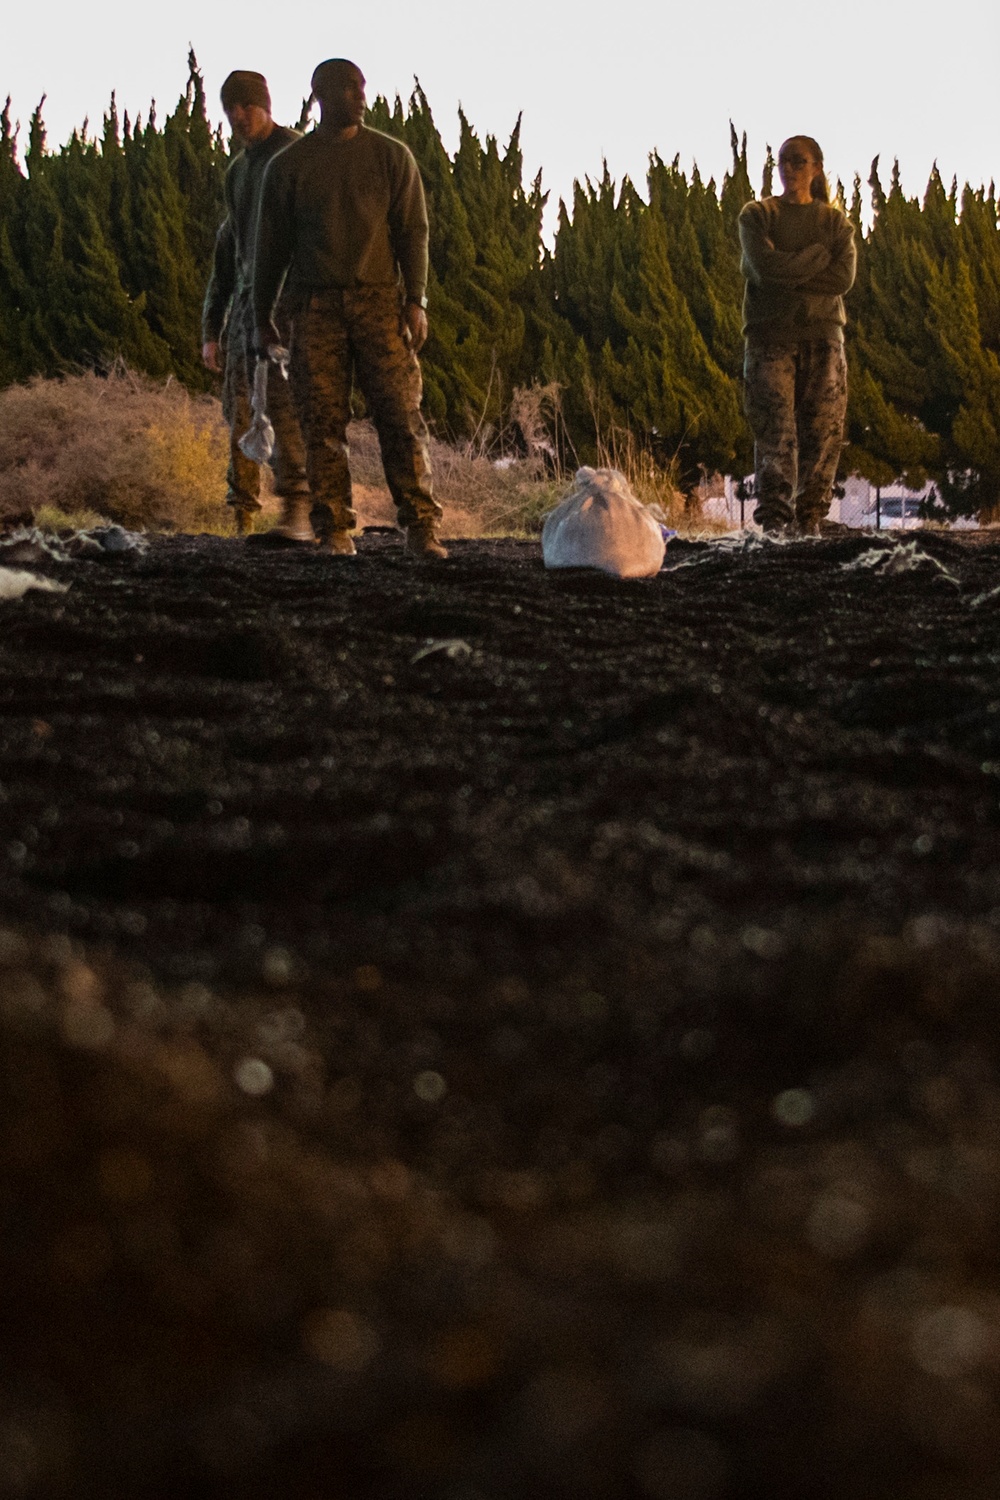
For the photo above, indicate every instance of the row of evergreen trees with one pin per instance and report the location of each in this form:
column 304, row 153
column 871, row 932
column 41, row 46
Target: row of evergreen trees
column 635, row 311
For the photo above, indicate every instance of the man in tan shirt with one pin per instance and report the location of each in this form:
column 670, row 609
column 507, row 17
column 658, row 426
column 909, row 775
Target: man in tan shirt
column 343, row 220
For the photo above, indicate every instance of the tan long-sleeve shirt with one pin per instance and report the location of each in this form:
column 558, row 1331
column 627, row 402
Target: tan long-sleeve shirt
column 798, row 259
column 338, row 214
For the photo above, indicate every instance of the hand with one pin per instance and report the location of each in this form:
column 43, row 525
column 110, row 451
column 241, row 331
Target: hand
column 210, row 356
column 413, row 326
column 264, row 337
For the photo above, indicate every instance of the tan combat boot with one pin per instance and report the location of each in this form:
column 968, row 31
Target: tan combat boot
column 422, row 541
column 295, row 525
column 339, row 543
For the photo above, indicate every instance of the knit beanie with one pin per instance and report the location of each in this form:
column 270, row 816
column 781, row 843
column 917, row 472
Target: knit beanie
column 243, row 87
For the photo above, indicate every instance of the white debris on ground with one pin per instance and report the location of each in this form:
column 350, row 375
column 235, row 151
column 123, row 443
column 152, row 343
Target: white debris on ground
column 733, row 544
column 453, row 648
column 689, row 562
column 29, row 545
column 15, row 583
column 113, row 539
column 991, row 596
column 870, row 559
column 905, row 557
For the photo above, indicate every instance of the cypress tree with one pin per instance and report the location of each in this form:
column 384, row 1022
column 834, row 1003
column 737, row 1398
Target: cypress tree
column 197, row 165
column 703, row 258
column 651, row 370
column 890, row 335
column 450, row 390
column 979, row 243
column 505, row 225
column 970, row 478
column 18, row 357
column 11, row 177
column 767, row 179
column 487, row 304
column 664, row 380
column 165, row 266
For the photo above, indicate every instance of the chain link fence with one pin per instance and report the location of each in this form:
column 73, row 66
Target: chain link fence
column 856, row 503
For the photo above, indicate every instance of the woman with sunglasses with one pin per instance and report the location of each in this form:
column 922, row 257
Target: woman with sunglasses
column 798, row 259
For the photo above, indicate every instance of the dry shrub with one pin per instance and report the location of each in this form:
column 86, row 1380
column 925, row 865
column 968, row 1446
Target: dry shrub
column 120, row 446
column 508, row 497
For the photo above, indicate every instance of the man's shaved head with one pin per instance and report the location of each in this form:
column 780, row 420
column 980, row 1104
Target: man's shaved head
column 339, row 85
column 330, row 77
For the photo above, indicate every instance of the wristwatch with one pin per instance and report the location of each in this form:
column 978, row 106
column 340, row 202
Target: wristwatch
column 418, row 302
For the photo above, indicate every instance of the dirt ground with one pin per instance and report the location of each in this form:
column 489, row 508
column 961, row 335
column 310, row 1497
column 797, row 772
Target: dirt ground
column 475, row 1033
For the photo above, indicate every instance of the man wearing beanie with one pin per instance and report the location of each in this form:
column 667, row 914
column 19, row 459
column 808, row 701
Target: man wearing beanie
column 343, row 218
column 228, row 314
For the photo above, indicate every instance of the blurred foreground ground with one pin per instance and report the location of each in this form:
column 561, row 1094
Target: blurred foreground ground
column 470, row 1033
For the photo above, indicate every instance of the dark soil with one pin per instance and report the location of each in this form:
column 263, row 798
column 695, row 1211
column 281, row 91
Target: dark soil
column 474, row 1033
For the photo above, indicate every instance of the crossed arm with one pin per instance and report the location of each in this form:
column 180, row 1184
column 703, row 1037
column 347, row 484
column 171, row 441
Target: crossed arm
column 815, row 268
column 837, row 277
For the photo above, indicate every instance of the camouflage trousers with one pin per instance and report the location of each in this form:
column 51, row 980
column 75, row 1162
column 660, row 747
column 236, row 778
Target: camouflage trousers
column 795, row 398
column 339, row 336
column 288, row 461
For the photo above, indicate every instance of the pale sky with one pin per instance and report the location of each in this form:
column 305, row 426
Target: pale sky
column 594, row 80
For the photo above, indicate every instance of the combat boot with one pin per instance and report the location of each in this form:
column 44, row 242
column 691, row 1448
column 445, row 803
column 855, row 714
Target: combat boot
column 295, row 525
column 422, row 541
column 339, row 543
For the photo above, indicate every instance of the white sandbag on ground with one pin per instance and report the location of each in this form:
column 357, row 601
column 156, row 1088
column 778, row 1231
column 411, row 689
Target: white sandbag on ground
column 602, row 525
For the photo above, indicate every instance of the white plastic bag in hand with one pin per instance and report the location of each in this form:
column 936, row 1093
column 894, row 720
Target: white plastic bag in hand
column 602, row 525
column 258, row 443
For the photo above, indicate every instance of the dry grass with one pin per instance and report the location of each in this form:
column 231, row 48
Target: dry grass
column 479, row 499
column 656, row 486
column 54, row 518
